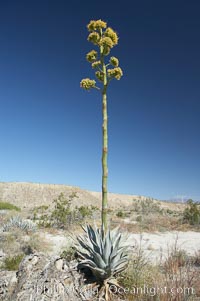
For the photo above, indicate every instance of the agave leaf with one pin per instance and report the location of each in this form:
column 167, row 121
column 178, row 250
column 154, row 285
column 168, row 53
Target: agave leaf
column 107, row 248
column 99, row 261
column 116, row 259
column 118, row 264
column 94, row 239
column 116, row 252
column 90, row 264
column 116, row 242
column 99, row 240
column 122, row 266
column 84, row 255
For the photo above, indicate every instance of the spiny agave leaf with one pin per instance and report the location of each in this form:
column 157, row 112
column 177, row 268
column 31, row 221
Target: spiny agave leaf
column 114, row 233
column 84, row 255
column 94, row 239
column 116, row 241
column 99, row 261
column 115, row 261
column 120, row 267
column 107, row 248
column 116, row 251
column 97, row 238
column 117, row 265
column 119, row 256
column 84, row 245
column 90, row 264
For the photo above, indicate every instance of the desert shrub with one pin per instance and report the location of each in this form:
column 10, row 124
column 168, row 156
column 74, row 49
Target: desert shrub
column 191, row 213
column 69, row 254
column 120, row 213
column 139, row 218
column 139, row 274
column 63, row 214
column 169, row 211
column 11, row 263
column 41, row 216
column 147, row 206
column 8, row 206
column 85, row 211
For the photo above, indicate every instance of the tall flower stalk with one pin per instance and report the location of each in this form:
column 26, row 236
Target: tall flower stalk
column 106, row 69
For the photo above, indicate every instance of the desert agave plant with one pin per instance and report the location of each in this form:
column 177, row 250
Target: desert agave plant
column 102, row 251
column 18, row 222
column 105, row 255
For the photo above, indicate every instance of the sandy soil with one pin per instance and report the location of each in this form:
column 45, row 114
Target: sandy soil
column 156, row 246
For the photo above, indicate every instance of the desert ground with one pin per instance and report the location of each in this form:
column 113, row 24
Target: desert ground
column 162, row 243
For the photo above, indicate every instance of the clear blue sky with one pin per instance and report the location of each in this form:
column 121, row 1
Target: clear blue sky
column 50, row 129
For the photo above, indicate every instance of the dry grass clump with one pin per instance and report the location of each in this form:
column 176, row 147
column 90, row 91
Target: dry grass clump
column 175, row 279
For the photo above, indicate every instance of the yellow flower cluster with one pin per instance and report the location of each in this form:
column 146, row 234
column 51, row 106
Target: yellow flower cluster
column 91, row 56
column 87, row 83
column 94, row 37
column 106, row 42
column 99, row 75
column 110, row 33
column 96, row 64
column 115, row 73
column 96, row 25
column 114, row 61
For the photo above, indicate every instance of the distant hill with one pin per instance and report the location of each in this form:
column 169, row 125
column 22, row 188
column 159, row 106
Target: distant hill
column 182, row 200
column 30, row 195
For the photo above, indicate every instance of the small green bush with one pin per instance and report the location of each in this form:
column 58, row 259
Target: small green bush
column 191, row 213
column 41, row 215
column 139, row 219
column 120, row 213
column 69, row 254
column 8, row 206
column 147, row 206
column 62, row 214
column 11, row 263
column 85, row 211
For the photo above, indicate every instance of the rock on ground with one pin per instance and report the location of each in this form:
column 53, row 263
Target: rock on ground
column 44, row 278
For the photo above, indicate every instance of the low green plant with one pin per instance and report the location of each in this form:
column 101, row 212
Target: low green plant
column 191, row 213
column 147, row 206
column 120, row 213
column 61, row 211
column 85, row 211
column 11, row 263
column 63, row 214
column 8, row 206
column 41, row 216
column 69, row 254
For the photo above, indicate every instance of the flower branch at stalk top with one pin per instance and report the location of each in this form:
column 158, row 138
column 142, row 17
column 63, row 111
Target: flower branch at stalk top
column 104, row 38
column 87, row 84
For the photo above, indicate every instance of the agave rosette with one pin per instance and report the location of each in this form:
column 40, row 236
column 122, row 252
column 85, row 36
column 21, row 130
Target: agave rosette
column 104, row 254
